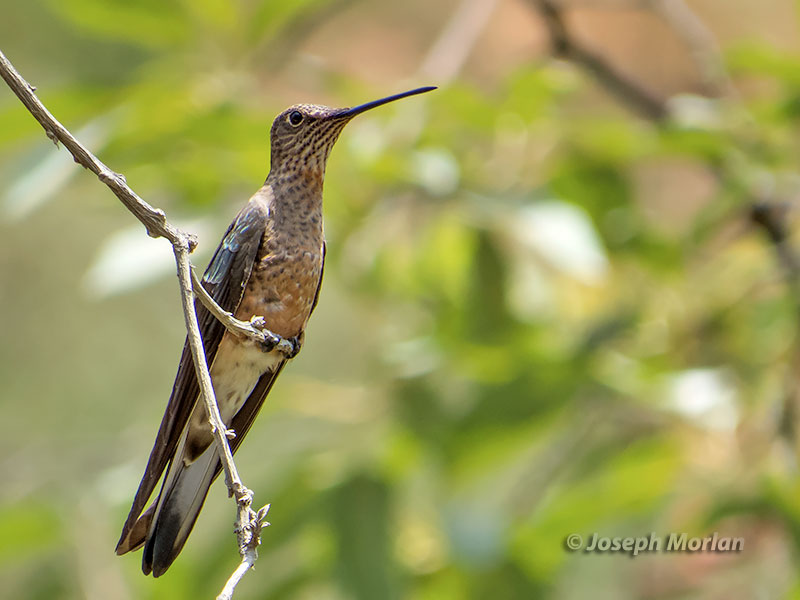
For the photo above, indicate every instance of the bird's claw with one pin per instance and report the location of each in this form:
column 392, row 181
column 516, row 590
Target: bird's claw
column 271, row 341
column 291, row 347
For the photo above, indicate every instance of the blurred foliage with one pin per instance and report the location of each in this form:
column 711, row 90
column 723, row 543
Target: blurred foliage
column 541, row 315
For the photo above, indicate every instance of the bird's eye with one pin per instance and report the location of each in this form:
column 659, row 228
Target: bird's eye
column 295, row 117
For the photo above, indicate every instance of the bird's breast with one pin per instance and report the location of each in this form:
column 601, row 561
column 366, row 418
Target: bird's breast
column 282, row 288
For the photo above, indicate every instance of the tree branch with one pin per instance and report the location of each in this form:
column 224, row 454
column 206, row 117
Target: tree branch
column 767, row 214
column 691, row 30
column 249, row 523
column 153, row 219
column 624, row 88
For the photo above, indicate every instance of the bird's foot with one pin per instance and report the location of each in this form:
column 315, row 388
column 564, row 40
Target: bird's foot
column 289, row 347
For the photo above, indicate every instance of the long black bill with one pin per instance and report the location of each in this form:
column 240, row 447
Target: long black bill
column 352, row 112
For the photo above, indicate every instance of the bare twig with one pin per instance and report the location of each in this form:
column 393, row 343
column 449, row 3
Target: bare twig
column 249, row 523
column 248, row 548
column 218, row 428
column 153, row 219
column 624, row 88
column 255, row 330
column 692, row 31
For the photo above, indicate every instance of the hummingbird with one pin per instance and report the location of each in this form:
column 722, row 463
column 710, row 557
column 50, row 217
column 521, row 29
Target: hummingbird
column 268, row 264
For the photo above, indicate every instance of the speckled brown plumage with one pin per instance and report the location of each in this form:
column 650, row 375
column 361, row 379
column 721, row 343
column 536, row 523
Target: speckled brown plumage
column 269, row 264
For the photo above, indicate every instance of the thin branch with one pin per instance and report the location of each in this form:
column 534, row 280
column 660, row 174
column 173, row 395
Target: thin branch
column 248, row 548
column 153, row 219
column 255, row 329
column 249, row 523
column 692, row 31
column 624, row 88
column 233, row 581
column 218, row 429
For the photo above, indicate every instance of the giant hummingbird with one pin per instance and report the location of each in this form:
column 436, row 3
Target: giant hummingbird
column 268, row 264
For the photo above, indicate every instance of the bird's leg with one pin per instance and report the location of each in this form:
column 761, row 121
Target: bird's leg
column 289, row 347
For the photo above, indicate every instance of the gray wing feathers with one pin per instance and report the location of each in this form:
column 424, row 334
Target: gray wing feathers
column 186, row 487
column 225, row 279
column 179, row 504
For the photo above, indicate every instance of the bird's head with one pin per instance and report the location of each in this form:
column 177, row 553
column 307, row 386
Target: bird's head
column 302, row 135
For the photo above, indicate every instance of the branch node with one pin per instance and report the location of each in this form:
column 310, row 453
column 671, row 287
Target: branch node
column 244, row 497
column 191, row 242
column 51, row 135
column 243, row 494
column 262, row 514
column 182, row 242
column 157, row 230
column 107, row 176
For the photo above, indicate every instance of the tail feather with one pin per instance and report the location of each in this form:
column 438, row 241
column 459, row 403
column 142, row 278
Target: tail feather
column 179, row 503
column 166, row 524
column 135, row 537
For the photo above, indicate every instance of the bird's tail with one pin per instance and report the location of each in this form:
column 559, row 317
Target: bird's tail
column 182, row 495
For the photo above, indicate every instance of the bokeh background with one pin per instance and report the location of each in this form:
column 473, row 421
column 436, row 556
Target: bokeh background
column 561, row 294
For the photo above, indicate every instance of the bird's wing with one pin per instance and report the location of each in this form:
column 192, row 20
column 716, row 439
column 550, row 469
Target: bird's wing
column 225, row 280
column 321, row 274
column 174, row 537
